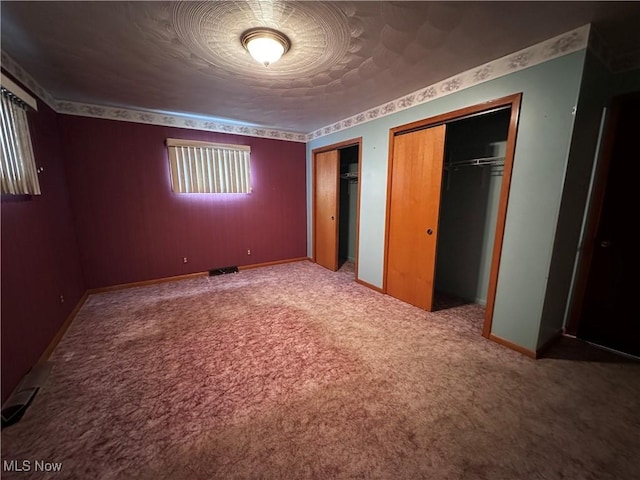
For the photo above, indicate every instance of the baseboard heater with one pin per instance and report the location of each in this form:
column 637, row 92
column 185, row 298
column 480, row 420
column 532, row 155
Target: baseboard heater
column 15, row 406
column 222, row 271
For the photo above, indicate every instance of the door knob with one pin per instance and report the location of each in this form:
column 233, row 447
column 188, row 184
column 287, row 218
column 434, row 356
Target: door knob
column 331, row 217
column 429, row 231
column 605, row 244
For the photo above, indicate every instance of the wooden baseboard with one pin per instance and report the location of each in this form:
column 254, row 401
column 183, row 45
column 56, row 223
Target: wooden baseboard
column 187, row 276
column 62, row 330
column 145, row 283
column 269, row 264
column 513, row 346
column 369, row 285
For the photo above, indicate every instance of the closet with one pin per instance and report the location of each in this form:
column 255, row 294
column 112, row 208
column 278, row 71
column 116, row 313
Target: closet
column 449, row 179
column 470, row 194
column 348, row 204
column 335, row 204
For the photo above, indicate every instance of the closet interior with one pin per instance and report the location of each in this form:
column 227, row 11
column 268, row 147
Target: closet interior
column 348, row 205
column 469, row 200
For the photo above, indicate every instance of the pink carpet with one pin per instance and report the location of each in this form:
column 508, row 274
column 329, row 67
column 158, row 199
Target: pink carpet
column 295, row 372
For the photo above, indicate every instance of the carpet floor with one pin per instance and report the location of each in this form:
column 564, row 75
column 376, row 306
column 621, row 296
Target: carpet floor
column 295, row 372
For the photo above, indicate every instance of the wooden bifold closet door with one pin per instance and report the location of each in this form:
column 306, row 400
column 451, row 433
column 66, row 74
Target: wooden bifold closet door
column 413, row 213
column 326, row 203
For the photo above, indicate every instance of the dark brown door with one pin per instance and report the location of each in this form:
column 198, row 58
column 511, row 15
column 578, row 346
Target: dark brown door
column 609, row 314
column 414, row 209
column 326, row 202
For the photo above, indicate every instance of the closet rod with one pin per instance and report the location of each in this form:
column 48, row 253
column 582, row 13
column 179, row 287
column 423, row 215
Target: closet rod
column 349, row 175
column 477, row 161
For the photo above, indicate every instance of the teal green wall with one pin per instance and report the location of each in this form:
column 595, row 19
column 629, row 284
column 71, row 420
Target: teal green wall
column 550, row 91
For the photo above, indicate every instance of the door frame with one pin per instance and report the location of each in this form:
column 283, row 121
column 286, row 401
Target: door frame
column 327, row 148
column 511, row 101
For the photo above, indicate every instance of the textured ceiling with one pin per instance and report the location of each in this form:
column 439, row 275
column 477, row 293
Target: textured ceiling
column 346, row 57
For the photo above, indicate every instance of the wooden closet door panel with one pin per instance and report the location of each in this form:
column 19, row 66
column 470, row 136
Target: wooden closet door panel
column 416, row 179
column 326, row 192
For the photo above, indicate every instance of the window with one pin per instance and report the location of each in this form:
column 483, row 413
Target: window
column 202, row 167
column 18, row 173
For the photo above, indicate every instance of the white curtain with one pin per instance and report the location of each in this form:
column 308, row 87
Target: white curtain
column 17, row 165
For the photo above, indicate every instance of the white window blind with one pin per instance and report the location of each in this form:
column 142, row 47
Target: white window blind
column 18, row 174
column 202, row 167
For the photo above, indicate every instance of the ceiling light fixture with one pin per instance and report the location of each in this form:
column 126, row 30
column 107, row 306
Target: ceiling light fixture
column 266, row 45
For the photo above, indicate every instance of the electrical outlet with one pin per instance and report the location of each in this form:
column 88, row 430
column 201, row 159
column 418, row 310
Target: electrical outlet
column 184, row 259
column 249, row 252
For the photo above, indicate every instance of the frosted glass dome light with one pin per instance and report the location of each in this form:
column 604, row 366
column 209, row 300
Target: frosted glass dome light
column 265, row 44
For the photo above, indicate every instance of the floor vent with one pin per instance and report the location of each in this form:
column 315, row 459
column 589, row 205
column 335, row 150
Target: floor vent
column 223, row 270
column 15, row 406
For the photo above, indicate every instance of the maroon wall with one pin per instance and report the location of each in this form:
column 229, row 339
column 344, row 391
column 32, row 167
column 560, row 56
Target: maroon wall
column 107, row 216
column 40, row 260
column 131, row 227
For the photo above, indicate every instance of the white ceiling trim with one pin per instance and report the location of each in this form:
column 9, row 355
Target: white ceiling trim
column 143, row 116
column 173, row 120
column 555, row 47
column 11, row 66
